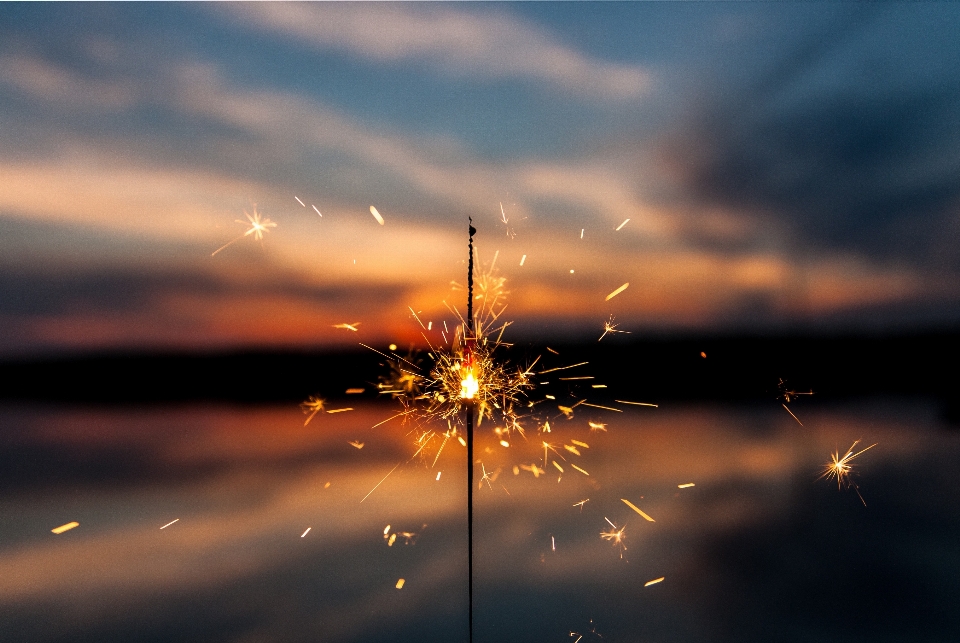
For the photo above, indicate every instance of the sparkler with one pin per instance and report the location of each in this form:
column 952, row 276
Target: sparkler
column 258, row 227
column 465, row 382
column 842, row 470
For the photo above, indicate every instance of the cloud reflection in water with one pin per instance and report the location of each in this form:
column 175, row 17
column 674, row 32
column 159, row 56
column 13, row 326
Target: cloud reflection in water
column 757, row 546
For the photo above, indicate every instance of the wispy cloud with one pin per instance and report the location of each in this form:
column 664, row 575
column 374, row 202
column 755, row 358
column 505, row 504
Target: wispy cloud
column 457, row 41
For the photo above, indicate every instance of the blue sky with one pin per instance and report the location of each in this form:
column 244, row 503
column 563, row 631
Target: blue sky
column 784, row 166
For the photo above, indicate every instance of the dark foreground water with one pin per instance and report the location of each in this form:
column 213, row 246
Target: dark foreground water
column 758, row 550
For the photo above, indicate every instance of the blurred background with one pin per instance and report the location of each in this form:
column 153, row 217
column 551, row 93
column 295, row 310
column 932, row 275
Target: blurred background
column 779, row 185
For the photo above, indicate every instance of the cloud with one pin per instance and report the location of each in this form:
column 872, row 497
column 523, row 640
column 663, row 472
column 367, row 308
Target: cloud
column 485, row 45
column 835, row 155
column 52, row 83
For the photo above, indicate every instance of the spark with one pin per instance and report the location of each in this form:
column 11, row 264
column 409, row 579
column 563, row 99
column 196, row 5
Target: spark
column 66, row 527
column 376, row 215
column 381, row 482
column 615, row 536
column 299, row 201
column 311, row 407
column 788, row 395
column 581, row 503
column 400, row 583
column 579, row 469
column 841, row 469
column 654, row 581
column 581, row 444
column 791, row 413
column 346, row 326
column 571, row 449
column 686, row 485
column 408, row 537
column 547, row 447
column 438, row 475
column 592, row 631
column 622, row 224
column 606, row 408
column 560, row 368
column 637, row 509
column 169, row 523
column 354, row 391
column 506, row 223
column 532, row 468
column 340, row 410
column 356, row 444
column 637, row 403
column 315, row 209
column 487, row 477
column 617, row 291
column 412, row 312
column 610, row 327
column 258, row 226
column 306, row 532
column 522, row 259
column 597, row 426
column 553, row 543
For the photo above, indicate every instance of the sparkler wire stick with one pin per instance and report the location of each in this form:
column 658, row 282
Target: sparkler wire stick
column 469, row 408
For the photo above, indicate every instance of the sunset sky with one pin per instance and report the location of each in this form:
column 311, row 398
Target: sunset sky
column 784, row 167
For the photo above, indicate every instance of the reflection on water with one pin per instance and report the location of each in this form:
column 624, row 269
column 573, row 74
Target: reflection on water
column 757, row 550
